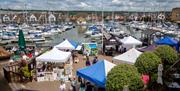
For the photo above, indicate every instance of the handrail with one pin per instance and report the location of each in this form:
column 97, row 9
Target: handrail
column 172, row 65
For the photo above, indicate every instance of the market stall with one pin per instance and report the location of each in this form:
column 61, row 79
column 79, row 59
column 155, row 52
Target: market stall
column 96, row 73
column 68, row 45
column 168, row 41
column 147, row 48
column 128, row 57
column 54, row 65
column 130, row 42
column 90, row 48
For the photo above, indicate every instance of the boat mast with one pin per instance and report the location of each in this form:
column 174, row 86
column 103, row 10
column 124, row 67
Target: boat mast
column 164, row 14
column 113, row 16
column 48, row 13
column 0, row 15
column 159, row 11
column 92, row 17
column 144, row 15
column 102, row 20
column 154, row 15
column 26, row 12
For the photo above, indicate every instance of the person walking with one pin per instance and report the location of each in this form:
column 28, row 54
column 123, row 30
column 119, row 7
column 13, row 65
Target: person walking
column 73, row 57
column 73, row 84
column 95, row 60
column 88, row 63
column 89, row 87
column 62, row 86
column 82, row 85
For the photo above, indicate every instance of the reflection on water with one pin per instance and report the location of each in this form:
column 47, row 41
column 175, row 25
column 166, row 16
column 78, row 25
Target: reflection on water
column 76, row 34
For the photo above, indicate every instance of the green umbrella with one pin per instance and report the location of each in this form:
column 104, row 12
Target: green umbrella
column 21, row 41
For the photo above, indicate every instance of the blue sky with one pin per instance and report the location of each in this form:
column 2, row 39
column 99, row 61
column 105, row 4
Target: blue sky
column 107, row 5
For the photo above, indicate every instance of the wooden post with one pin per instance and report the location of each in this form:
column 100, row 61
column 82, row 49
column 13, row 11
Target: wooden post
column 7, row 75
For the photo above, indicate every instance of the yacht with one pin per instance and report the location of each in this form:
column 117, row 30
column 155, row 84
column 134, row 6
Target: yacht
column 96, row 35
column 91, row 30
column 7, row 35
column 115, row 31
column 35, row 36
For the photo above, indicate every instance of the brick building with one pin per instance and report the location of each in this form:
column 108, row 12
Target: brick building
column 175, row 15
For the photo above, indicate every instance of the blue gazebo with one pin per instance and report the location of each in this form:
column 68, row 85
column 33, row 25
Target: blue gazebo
column 168, row 41
column 96, row 73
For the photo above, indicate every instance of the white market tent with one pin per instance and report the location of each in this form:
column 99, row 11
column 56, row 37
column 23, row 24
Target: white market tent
column 130, row 42
column 54, row 55
column 128, row 57
column 68, row 45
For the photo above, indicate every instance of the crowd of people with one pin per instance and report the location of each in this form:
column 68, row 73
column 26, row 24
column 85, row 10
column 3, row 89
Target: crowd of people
column 88, row 62
column 79, row 85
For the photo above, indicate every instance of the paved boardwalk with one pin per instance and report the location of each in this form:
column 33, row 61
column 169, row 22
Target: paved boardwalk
column 53, row 85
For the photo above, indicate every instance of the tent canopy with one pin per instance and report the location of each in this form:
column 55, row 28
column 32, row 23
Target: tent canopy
column 96, row 73
column 128, row 57
column 54, row 55
column 67, row 44
column 167, row 41
column 131, row 40
column 148, row 48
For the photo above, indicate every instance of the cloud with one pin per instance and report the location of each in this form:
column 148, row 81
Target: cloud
column 109, row 5
column 84, row 5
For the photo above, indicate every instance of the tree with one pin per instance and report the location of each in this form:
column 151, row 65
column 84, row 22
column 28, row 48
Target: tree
column 167, row 54
column 124, row 75
column 148, row 63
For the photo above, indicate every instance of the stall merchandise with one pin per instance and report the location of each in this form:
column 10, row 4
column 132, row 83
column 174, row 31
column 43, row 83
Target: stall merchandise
column 54, row 65
column 90, row 48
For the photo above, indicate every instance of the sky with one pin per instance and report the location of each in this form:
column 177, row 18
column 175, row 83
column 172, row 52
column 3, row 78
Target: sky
column 94, row 5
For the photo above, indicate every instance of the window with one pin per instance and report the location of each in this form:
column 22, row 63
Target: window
column 33, row 18
column 178, row 16
column 51, row 18
column 6, row 18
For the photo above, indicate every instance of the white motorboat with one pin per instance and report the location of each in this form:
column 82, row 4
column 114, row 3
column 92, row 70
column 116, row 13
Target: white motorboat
column 91, row 30
column 95, row 35
column 88, row 32
column 47, row 34
column 7, row 35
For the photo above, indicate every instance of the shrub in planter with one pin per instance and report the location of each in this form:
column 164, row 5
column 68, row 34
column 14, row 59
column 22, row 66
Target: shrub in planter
column 124, row 75
column 26, row 72
column 147, row 63
column 167, row 54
